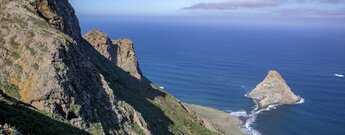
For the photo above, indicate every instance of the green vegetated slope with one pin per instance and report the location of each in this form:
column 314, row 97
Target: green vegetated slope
column 228, row 124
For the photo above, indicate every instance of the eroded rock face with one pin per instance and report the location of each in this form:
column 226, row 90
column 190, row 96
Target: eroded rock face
column 60, row 14
column 126, row 57
column 273, row 90
column 101, row 42
column 120, row 52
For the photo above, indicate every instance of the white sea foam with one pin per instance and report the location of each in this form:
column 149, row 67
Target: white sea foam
column 300, row 101
column 270, row 107
column 239, row 113
column 339, row 75
column 161, row 87
column 247, row 127
column 251, row 117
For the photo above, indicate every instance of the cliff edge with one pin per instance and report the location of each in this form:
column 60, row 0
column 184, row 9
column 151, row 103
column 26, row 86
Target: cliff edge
column 273, row 90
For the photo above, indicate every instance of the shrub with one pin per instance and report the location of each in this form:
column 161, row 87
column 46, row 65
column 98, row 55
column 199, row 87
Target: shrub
column 2, row 42
column 8, row 62
column 31, row 34
column 36, row 67
column 32, row 50
column 13, row 42
column 15, row 55
column 138, row 130
column 12, row 90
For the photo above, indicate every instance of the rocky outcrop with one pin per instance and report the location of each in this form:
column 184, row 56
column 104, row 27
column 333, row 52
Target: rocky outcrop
column 59, row 14
column 101, row 42
column 273, row 90
column 120, row 52
column 46, row 64
column 126, row 57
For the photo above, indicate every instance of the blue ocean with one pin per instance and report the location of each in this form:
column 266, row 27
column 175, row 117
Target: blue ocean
column 216, row 64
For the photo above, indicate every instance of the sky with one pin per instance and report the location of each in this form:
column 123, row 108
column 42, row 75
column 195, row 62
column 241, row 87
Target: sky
column 302, row 9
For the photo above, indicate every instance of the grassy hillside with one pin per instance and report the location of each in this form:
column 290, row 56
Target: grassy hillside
column 229, row 125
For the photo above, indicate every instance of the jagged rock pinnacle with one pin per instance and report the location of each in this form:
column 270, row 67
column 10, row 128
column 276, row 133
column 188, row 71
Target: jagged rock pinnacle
column 120, row 52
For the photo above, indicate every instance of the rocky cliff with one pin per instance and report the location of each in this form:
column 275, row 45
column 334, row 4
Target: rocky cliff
column 273, row 90
column 126, row 58
column 120, row 52
column 50, row 74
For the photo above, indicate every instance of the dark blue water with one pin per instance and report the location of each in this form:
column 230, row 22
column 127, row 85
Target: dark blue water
column 215, row 65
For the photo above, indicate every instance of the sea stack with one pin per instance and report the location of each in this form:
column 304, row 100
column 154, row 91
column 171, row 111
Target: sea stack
column 273, row 90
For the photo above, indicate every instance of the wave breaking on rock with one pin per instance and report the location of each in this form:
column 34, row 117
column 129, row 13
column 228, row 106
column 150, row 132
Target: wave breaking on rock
column 269, row 94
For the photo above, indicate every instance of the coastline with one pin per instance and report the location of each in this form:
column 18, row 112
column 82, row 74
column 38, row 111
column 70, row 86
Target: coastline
column 228, row 124
column 249, row 119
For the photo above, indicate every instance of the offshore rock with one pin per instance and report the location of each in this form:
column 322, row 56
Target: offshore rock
column 273, row 90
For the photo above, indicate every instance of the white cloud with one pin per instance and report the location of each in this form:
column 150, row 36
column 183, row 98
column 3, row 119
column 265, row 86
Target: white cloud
column 237, row 4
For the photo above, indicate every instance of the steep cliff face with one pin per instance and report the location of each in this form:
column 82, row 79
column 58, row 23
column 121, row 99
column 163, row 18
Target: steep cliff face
column 120, row 52
column 59, row 14
column 43, row 65
column 126, row 58
column 273, row 90
column 93, row 84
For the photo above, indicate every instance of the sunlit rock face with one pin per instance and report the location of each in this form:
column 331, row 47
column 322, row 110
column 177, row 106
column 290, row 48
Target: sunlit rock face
column 273, row 90
column 120, row 52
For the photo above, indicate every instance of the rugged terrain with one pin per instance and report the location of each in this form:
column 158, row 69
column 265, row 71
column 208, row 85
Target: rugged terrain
column 55, row 81
column 273, row 90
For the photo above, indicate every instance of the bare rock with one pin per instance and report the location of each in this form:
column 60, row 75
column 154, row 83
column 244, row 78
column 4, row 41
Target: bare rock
column 59, row 14
column 101, row 42
column 126, row 57
column 120, row 52
column 273, row 90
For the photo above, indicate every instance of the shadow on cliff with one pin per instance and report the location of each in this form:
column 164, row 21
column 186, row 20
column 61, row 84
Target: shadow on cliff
column 83, row 84
column 131, row 90
column 29, row 121
column 124, row 86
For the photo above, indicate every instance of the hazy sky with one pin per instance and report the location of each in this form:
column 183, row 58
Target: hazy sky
column 319, row 9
